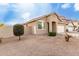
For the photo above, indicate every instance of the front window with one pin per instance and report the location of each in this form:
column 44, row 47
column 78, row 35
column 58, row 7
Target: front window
column 41, row 25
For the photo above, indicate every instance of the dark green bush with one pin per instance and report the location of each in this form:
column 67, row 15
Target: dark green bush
column 52, row 34
column 18, row 30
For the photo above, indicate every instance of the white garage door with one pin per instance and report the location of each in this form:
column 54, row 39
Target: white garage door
column 60, row 29
column 70, row 29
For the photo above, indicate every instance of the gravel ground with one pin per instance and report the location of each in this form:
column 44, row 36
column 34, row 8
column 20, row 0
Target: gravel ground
column 39, row 45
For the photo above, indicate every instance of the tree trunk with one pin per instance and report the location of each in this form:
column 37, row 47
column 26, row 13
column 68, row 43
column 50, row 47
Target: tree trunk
column 19, row 38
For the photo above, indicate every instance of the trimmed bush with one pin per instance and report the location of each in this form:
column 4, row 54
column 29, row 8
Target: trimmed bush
column 52, row 34
column 18, row 30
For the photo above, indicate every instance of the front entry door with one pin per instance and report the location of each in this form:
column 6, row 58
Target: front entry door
column 53, row 26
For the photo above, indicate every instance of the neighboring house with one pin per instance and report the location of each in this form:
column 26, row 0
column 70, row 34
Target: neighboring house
column 47, row 23
column 72, row 25
column 69, row 26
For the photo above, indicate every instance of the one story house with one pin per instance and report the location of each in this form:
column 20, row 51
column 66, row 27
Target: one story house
column 47, row 23
column 69, row 26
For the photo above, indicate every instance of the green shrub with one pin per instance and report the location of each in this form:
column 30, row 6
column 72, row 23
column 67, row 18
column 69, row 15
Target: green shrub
column 18, row 30
column 52, row 34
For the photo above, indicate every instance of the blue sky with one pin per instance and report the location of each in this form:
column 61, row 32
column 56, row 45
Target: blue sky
column 12, row 13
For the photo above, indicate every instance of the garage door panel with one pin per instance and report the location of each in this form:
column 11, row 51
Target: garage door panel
column 60, row 29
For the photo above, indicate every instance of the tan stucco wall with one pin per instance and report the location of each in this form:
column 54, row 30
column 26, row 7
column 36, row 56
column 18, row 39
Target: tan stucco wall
column 60, row 27
column 31, row 24
column 42, row 31
column 50, row 19
column 34, row 27
column 27, row 30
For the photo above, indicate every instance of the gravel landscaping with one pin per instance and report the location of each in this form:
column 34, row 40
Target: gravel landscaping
column 39, row 45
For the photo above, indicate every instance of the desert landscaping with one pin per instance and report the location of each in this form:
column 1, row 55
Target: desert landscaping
column 39, row 45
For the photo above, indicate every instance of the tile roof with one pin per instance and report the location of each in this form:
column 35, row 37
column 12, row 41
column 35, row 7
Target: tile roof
column 61, row 18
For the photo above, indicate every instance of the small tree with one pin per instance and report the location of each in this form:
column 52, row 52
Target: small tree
column 18, row 30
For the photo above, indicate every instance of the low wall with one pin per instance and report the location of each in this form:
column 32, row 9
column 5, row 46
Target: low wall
column 7, row 31
column 74, row 34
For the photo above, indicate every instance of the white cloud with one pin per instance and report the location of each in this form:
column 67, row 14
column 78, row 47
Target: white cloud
column 26, row 15
column 4, row 4
column 22, row 7
column 31, row 10
column 27, row 11
column 65, row 6
column 76, row 6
